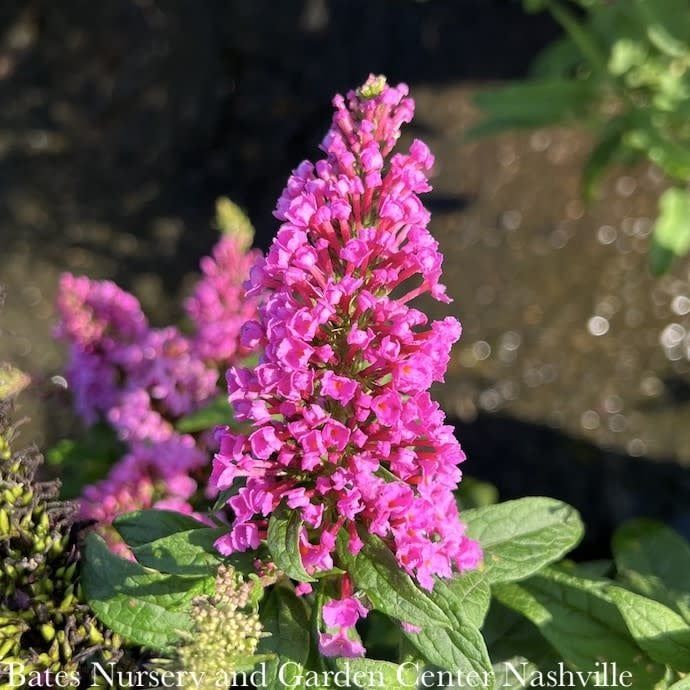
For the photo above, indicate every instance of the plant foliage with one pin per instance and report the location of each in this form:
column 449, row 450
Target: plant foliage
column 623, row 68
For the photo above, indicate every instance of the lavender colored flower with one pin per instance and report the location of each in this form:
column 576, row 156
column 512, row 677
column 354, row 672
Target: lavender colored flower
column 142, row 379
column 97, row 315
column 218, row 307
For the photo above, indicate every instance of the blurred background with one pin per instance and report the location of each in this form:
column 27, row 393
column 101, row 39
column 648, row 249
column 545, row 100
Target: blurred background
column 122, row 122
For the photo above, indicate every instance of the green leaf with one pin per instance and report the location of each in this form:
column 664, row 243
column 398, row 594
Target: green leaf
column 654, row 561
column 370, row 674
column 627, row 54
column 521, row 537
column 658, row 630
column 284, row 529
column 671, row 236
column 144, row 526
column 465, row 598
column 514, row 673
column 218, row 412
column 586, row 40
column 605, row 152
column 184, row 553
column 225, row 495
column 683, row 684
column 673, row 158
column 531, row 104
column 667, row 16
column 171, row 592
column 375, row 571
column 192, row 552
column 557, row 60
column 578, row 619
column 473, row 493
column 592, row 570
column 457, row 649
column 662, row 40
column 534, row 6
column 508, row 634
column 285, row 618
column 143, row 606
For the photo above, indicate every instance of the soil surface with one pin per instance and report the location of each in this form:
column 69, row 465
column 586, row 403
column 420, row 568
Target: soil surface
column 121, row 124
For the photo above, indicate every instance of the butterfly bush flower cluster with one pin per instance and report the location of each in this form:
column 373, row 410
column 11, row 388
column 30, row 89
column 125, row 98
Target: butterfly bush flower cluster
column 344, row 429
column 218, row 307
column 140, row 379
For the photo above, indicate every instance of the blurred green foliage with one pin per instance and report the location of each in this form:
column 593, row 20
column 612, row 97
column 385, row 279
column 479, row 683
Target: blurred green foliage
column 474, row 493
column 85, row 460
column 623, row 68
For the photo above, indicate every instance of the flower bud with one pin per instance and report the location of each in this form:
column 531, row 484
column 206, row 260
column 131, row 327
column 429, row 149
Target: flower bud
column 44, row 626
column 225, row 634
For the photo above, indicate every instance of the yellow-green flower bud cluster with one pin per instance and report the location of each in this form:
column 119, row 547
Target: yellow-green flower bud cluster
column 232, row 220
column 44, row 624
column 226, row 630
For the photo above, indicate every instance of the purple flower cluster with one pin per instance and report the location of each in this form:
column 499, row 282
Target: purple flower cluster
column 139, row 480
column 218, row 306
column 142, row 379
column 344, row 429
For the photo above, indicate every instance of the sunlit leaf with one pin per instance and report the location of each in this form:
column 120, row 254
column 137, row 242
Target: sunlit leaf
column 671, row 238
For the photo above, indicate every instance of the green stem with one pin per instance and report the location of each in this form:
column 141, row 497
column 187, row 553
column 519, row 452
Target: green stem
column 319, row 598
column 588, row 47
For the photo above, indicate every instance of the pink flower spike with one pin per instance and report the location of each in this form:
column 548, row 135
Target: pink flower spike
column 141, row 380
column 343, row 427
